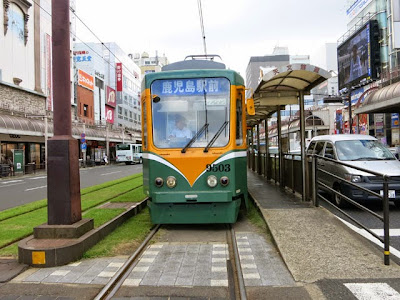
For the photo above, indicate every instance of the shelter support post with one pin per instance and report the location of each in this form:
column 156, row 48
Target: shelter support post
column 280, row 157
column 303, row 147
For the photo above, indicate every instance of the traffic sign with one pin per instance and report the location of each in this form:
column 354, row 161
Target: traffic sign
column 83, row 146
column 83, row 135
column 83, row 140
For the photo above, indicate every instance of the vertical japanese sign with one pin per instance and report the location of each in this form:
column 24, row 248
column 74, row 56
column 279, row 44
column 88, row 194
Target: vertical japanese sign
column 118, row 71
column 110, row 97
column 49, row 75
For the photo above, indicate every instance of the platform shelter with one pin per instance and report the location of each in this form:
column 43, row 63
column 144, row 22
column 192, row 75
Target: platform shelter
column 278, row 88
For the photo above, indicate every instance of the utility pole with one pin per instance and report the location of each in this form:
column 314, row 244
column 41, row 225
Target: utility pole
column 63, row 182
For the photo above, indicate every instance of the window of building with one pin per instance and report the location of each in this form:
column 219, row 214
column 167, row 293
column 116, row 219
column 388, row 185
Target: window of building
column 15, row 19
column 120, row 110
column 85, row 110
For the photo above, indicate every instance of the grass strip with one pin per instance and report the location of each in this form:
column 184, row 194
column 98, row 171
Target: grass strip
column 23, row 209
column 101, row 216
column 18, row 227
column 109, row 183
column 94, row 199
column 125, row 238
column 255, row 217
column 135, row 195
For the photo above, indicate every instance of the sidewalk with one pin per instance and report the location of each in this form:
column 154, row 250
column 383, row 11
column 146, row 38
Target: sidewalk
column 314, row 244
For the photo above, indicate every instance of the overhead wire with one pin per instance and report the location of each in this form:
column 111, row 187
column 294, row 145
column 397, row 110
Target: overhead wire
column 202, row 26
column 103, row 44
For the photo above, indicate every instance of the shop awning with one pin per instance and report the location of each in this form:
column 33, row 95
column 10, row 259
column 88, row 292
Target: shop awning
column 36, row 127
column 384, row 100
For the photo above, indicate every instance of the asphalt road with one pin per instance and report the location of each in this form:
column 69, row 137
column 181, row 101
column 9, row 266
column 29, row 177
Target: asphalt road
column 373, row 223
column 16, row 191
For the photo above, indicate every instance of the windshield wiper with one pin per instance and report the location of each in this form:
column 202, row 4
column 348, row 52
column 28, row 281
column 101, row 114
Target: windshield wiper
column 365, row 158
column 215, row 136
column 195, row 137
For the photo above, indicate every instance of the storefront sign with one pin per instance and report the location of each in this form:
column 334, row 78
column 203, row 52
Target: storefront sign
column 86, row 80
column 118, row 70
column 18, row 159
column 99, row 75
column 110, row 97
column 109, row 115
column 15, row 136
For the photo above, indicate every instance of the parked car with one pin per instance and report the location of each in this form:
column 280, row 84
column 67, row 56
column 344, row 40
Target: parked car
column 361, row 151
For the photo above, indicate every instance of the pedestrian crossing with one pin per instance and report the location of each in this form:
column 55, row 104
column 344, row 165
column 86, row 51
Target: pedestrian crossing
column 373, row 291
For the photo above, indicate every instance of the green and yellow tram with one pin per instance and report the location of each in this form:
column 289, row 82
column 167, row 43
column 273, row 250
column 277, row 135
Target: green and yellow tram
column 194, row 145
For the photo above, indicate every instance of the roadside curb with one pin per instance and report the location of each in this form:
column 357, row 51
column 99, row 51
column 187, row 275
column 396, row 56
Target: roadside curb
column 58, row 252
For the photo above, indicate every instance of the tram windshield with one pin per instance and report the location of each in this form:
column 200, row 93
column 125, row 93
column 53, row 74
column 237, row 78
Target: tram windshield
column 190, row 112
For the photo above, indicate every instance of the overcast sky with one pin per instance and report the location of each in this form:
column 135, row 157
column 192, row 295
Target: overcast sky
column 234, row 29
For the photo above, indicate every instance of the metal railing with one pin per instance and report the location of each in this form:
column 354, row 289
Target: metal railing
column 385, row 199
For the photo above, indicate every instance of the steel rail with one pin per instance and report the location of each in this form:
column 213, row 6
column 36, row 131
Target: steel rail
column 239, row 273
column 110, row 289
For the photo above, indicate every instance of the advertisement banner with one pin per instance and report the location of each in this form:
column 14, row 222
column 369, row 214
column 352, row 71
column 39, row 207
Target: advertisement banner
column 85, row 80
column 118, row 70
column 110, row 97
column 395, row 120
column 109, row 115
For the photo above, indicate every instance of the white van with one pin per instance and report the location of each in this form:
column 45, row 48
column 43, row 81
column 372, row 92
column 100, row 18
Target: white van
column 361, row 151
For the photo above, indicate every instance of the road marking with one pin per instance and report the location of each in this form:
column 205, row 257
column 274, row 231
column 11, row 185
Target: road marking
column 35, row 188
column 34, row 178
column 110, row 173
column 370, row 237
column 372, row 291
column 392, row 232
column 4, row 186
column 11, row 181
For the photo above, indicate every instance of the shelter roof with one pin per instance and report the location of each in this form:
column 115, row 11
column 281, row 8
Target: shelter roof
column 282, row 86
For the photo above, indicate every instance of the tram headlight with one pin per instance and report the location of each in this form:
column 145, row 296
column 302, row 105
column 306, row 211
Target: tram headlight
column 224, row 181
column 171, row 182
column 159, row 182
column 212, row 181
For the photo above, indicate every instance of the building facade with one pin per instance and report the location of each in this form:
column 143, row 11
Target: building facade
column 26, row 102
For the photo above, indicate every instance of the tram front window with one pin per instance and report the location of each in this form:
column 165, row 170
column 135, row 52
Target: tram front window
column 186, row 109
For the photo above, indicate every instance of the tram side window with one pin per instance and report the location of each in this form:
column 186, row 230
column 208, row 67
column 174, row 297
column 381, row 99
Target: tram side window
column 239, row 128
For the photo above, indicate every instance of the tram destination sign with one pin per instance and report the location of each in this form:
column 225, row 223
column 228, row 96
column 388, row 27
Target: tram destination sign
column 193, row 86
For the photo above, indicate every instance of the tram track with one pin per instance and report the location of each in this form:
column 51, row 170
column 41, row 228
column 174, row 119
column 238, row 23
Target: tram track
column 236, row 287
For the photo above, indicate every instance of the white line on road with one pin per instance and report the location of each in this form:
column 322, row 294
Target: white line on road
column 11, row 181
column 110, row 173
column 392, row 232
column 372, row 291
column 370, row 237
column 5, row 186
column 41, row 177
column 39, row 187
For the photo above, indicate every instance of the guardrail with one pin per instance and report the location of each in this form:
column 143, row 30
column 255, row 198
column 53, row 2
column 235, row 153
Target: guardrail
column 385, row 187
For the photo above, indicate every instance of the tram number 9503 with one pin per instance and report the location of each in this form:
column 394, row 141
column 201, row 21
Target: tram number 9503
column 218, row 167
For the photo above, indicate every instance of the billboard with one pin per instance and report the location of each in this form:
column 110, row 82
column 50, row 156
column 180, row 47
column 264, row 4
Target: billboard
column 359, row 56
column 110, row 115
column 86, row 80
